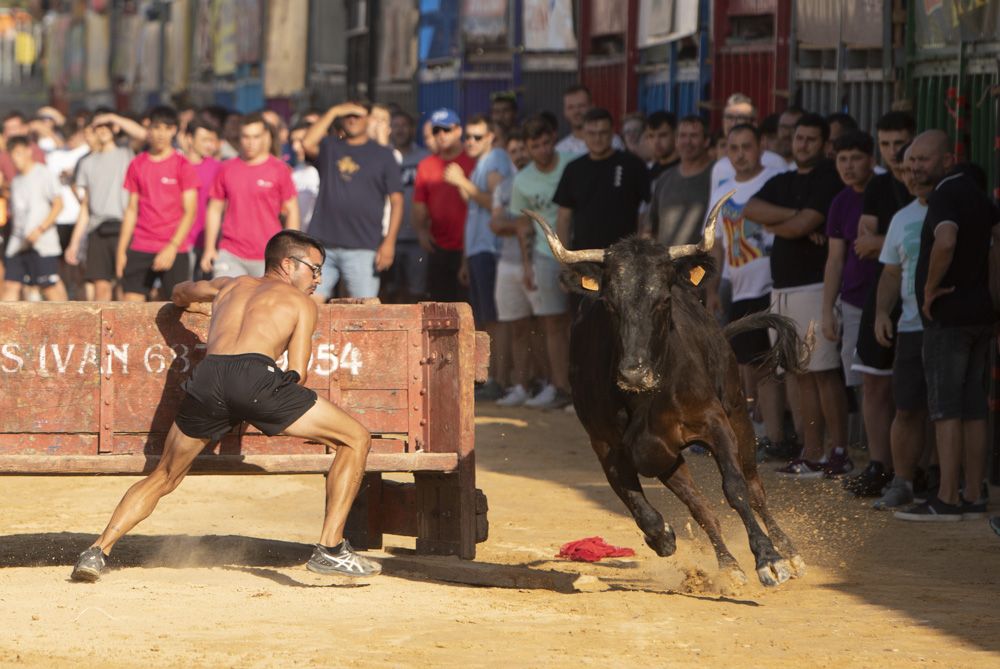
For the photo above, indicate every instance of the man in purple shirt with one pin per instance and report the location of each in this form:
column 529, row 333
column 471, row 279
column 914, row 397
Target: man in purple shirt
column 847, row 281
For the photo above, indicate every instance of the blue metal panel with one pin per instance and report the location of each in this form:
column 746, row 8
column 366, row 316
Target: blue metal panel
column 438, row 32
column 476, row 93
column 676, row 84
column 434, row 94
column 225, row 97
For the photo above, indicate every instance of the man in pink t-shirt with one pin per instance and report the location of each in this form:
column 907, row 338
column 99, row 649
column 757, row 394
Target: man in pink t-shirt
column 203, row 144
column 255, row 190
column 163, row 197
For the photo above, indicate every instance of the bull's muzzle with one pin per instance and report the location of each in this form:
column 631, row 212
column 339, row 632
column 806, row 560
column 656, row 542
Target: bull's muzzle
column 637, row 378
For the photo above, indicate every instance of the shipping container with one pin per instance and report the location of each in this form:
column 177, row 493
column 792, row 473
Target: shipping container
column 608, row 54
column 751, row 54
column 327, row 60
column 845, row 58
column 674, row 63
column 952, row 79
column 544, row 77
column 439, row 86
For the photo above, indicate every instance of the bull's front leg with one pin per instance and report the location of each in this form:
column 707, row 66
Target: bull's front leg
column 772, row 569
column 624, row 480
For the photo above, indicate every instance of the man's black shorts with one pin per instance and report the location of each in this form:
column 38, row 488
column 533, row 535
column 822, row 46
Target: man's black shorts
column 102, row 245
column 139, row 275
column 229, row 389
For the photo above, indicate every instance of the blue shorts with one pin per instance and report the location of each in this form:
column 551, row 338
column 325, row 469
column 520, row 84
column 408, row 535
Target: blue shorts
column 31, row 269
column 482, row 286
column 357, row 269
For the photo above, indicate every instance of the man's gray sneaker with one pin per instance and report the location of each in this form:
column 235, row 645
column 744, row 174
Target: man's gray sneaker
column 91, row 564
column 345, row 562
column 898, row 493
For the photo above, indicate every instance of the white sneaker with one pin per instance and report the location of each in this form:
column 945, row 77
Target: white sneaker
column 544, row 396
column 514, row 397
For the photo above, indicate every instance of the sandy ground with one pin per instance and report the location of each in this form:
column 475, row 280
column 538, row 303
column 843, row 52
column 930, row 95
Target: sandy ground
column 215, row 578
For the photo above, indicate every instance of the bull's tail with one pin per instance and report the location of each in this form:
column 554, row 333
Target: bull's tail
column 789, row 351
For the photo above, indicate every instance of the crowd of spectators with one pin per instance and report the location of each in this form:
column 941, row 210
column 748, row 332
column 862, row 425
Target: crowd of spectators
column 879, row 247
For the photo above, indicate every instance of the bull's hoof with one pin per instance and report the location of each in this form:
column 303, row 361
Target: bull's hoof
column 732, row 580
column 798, row 566
column 774, row 572
column 663, row 543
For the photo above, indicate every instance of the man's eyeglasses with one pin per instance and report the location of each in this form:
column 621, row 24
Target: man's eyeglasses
column 437, row 130
column 474, row 138
column 317, row 270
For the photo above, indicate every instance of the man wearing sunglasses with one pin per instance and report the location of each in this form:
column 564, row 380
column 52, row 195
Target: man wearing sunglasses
column 254, row 321
column 356, row 176
column 439, row 209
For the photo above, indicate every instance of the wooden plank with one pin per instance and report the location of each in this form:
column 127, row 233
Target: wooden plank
column 48, row 444
column 221, row 464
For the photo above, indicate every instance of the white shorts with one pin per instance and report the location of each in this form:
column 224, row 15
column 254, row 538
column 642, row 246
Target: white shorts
column 805, row 307
column 515, row 302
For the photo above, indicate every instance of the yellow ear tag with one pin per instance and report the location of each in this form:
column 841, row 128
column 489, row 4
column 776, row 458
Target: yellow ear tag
column 589, row 283
column 697, row 274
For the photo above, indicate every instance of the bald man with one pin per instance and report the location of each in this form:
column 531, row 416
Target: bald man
column 951, row 285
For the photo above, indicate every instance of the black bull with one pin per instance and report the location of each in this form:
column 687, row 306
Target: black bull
column 653, row 373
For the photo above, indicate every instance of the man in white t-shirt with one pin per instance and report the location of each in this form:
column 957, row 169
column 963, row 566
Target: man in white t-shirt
column 743, row 248
column 740, row 110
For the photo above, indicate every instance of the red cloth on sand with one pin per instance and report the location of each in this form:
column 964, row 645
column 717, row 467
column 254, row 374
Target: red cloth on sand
column 592, row 549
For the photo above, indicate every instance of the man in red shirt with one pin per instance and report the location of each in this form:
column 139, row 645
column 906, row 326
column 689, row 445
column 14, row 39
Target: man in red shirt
column 163, row 198
column 439, row 209
column 255, row 190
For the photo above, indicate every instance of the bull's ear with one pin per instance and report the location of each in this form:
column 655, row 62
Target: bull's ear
column 582, row 277
column 695, row 268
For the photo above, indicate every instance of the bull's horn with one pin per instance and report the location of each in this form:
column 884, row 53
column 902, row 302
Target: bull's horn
column 708, row 241
column 561, row 253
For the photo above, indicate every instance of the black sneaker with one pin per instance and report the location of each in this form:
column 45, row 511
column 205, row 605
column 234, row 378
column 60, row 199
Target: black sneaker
column 933, row 510
column 345, row 562
column 995, row 524
column 973, row 510
column 870, row 482
column 783, row 450
column 92, row 563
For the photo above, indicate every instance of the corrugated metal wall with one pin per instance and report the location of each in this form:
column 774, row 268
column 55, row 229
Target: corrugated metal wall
column 438, row 87
column 747, row 58
column 544, row 77
column 865, row 89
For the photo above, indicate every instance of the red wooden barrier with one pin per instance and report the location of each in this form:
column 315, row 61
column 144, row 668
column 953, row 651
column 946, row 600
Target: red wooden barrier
column 89, row 388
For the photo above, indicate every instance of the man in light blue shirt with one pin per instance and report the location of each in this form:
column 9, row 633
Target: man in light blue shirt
column 909, row 389
column 479, row 261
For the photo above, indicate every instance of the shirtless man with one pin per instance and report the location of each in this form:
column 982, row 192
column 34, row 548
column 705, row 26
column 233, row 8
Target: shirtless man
column 254, row 320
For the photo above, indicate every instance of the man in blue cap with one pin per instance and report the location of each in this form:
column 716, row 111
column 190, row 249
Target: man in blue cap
column 439, row 208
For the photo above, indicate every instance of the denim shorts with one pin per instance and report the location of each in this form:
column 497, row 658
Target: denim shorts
column 955, row 365
column 482, row 286
column 357, row 269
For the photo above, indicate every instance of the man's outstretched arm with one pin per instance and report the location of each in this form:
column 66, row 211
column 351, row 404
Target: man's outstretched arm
column 188, row 293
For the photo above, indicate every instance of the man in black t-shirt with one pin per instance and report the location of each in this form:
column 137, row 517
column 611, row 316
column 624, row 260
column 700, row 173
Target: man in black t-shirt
column 885, row 195
column 599, row 193
column 952, row 279
column 793, row 206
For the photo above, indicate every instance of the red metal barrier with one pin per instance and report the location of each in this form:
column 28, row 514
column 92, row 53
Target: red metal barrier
column 744, row 62
column 89, row 388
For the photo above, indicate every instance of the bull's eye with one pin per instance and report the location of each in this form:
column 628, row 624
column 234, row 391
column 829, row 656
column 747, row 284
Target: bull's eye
column 589, row 283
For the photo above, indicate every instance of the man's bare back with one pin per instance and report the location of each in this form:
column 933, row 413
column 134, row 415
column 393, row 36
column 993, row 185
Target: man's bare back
column 258, row 315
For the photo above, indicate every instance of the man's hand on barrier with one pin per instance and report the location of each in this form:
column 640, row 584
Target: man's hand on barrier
column 203, row 308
